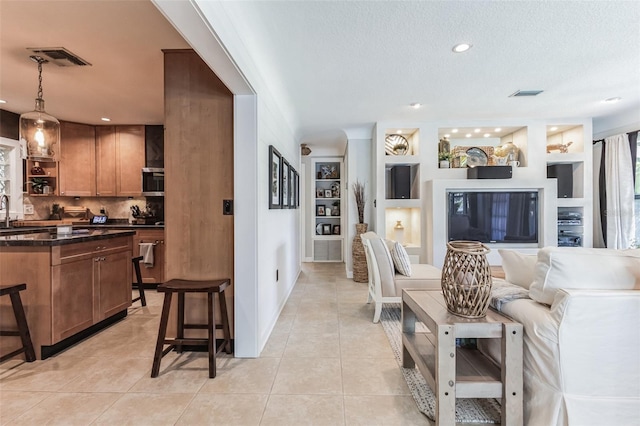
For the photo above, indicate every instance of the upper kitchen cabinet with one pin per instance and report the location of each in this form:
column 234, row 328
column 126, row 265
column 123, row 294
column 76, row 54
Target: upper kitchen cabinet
column 77, row 160
column 130, row 147
column 119, row 160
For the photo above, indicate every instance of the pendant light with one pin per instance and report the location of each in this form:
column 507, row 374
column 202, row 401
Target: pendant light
column 39, row 130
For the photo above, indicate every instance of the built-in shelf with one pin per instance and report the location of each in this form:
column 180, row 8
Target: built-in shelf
column 328, row 220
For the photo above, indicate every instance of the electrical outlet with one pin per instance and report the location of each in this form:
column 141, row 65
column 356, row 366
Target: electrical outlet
column 28, row 209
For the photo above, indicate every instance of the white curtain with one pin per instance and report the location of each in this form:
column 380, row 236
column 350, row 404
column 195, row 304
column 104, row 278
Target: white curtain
column 620, row 192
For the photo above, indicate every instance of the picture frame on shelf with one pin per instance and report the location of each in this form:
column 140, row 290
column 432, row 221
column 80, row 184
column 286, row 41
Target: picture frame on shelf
column 328, row 193
column 336, row 229
column 320, row 210
column 326, row 229
column 275, row 184
column 286, row 193
column 319, row 193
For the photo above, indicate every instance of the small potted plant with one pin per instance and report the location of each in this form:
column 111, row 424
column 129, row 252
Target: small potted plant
column 38, row 185
column 443, row 158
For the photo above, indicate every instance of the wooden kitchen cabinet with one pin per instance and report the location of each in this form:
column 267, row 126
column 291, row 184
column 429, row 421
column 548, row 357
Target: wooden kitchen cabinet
column 129, row 160
column 90, row 282
column 105, row 161
column 77, row 160
column 119, row 160
column 155, row 274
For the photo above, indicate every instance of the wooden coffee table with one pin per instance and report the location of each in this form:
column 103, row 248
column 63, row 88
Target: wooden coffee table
column 455, row 372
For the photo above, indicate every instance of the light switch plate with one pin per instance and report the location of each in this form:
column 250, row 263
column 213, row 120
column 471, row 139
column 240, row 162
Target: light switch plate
column 28, row 209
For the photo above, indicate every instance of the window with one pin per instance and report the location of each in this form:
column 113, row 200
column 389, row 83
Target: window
column 11, row 177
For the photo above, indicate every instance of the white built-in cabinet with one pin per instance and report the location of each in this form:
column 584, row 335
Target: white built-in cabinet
column 402, row 175
column 327, row 209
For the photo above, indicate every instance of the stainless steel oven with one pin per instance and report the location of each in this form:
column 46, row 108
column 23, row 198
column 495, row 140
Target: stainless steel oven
column 153, row 181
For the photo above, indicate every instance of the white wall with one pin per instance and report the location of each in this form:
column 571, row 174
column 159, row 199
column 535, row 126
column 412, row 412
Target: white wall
column 613, row 125
column 358, row 168
column 266, row 240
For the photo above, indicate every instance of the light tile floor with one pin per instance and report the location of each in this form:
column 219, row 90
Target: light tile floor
column 325, row 363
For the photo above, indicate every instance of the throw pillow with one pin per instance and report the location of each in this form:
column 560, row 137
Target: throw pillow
column 584, row 268
column 401, row 259
column 518, row 268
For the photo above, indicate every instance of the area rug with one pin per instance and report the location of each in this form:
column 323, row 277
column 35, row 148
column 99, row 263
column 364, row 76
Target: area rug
column 481, row 410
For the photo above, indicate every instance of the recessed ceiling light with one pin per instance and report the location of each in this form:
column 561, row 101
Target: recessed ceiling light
column 454, row 130
column 415, row 105
column 399, row 132
column 553, row 128
column 105, row 119
column 477, row 130
column 612, row 100
column 2, row 101
column 447, row 135
column 498, row 129
column 486, row 135
column 461, row 47
column 468, row 135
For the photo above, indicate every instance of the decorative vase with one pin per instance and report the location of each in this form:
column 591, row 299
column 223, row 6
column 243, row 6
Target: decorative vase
column 444, row 164
column 360, row 272
column 398, row 232
column 36, row 169
column 466, row 279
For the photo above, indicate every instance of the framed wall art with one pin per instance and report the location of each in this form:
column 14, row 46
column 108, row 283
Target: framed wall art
column 292, row 188
column 275, row 177
column 284, row 184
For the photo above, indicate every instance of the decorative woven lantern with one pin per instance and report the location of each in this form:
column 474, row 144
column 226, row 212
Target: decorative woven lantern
column 466, row 279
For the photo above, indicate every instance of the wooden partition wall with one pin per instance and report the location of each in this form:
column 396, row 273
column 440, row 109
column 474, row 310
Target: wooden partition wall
column 198, row 158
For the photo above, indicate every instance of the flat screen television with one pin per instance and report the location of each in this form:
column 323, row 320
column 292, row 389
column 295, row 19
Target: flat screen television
column 501, row 217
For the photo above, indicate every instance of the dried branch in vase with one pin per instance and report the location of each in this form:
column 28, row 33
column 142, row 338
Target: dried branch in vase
column 361, row 199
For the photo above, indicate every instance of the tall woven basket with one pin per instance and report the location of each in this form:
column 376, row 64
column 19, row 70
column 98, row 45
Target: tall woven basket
column 466, row 279
column 360, row 271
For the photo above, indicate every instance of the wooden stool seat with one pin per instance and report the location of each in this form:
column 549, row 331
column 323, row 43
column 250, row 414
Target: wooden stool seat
column 138, row 284
column 211, row 287
column 13, row 291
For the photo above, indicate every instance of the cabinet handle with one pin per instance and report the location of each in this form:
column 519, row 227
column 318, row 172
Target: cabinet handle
column 62, row 193
column 96, row 259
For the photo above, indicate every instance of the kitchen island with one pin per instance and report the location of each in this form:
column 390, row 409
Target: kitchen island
column 76, row 284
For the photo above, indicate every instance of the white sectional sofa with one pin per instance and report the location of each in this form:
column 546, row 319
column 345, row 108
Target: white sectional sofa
column 385, row 283
column 582, row 335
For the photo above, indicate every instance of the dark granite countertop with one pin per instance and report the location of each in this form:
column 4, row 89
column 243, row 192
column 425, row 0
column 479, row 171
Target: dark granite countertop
column 45, row 237
column 30, row 229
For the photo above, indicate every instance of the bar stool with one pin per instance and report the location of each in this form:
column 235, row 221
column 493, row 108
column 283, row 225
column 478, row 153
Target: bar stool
column 187, row 286
column 23, row 328
column 138, row 284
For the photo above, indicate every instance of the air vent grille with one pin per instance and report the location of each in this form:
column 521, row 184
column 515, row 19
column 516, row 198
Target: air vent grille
column 59, row 56
column 526, row 93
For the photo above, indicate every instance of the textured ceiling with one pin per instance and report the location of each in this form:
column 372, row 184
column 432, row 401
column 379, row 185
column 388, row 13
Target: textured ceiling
column 342, row 64
column 350, row 63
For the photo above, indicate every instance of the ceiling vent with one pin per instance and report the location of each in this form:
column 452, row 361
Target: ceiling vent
column 59, row 56
column 526, row 93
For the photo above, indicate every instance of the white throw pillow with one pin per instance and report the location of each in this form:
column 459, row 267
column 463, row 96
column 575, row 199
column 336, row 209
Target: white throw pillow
column 401, row 259
column 584, row 268
column 518, row 267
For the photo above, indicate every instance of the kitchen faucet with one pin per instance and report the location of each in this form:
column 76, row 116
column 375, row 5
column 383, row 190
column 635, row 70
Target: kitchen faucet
column 5, row 198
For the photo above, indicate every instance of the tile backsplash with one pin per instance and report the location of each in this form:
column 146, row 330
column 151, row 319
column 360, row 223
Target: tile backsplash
column 115, row 207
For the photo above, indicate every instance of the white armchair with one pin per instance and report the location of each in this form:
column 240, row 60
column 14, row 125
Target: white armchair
column 385, row 284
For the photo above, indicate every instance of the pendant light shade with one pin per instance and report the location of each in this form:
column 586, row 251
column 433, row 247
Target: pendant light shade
column 39, row 130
